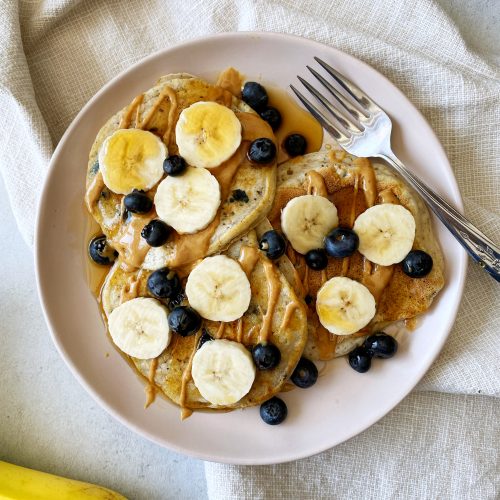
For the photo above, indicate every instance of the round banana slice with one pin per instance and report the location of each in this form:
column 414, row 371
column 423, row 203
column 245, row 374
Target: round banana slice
column 139, row 327
column 344, row 306
column 218, row 289
column 207, row 134
column 386, row 233
column 188, row 202
column 223, row 371
column 306, row 220
column 131, row 159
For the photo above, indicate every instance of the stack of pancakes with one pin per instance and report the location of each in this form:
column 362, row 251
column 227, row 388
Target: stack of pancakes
column 294, row 325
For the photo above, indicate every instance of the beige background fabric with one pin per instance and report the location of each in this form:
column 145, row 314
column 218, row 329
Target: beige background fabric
column 55, row 55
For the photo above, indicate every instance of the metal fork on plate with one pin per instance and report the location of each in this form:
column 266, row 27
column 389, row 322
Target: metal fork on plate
column 363, row 129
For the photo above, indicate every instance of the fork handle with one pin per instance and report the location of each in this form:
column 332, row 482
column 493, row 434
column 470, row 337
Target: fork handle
column 478, row 246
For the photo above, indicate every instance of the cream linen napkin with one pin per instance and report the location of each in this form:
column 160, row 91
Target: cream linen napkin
column 55, row 55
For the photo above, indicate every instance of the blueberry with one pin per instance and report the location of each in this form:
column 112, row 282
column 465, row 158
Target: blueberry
column 184, row 320
column 305, row 374
column 266, row 356
column 255, row 95
column 417, row 264
column 273, row 411
column 205, row 337
column 262, row 151
column 272, row 116
column 317, row 259
column 164, row 284
column 381, row 345
column 360, row 359
column 341, row 242
column 308, row 299
column 174, row 165
column 156, row 233
column 273, row 244
column 295, row 144
column 138, row 202
column 100, row 252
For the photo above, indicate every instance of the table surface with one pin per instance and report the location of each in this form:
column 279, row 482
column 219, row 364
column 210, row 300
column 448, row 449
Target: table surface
column 49, row 422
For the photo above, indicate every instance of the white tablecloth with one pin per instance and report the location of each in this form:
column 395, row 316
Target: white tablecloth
column 55, row 55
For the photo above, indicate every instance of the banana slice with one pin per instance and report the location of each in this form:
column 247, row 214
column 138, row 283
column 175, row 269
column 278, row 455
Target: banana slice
column 188, row 202
column 386, row 233
column 131, row 159
column 139, row 327
column 306, row 220
column 218, row 289
column 223, row 371
column 207, row 134
column 344, row 306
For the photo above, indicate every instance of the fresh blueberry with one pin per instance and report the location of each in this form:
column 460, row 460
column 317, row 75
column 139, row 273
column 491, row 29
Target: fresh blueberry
column 317, row 259
column 272, row 116
column 295, row 144
column 341, row 242
column 360, row 359
column 381, row 345
column 305, row 374
column 205, row 337
column 164, row 284
column 308, row 299
column 255, row 95
column 273, row 411
column 184, row 320
column 156, row 233
column 266, row 356
column 138, row 202
column 262, row 151
column 417, row 264
column 100, row 252
column 174, row 165
column 273, row 244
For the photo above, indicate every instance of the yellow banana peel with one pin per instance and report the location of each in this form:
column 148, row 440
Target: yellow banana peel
column 19, row 483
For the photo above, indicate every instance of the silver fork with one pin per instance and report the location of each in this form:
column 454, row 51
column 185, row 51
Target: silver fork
column 364, row 131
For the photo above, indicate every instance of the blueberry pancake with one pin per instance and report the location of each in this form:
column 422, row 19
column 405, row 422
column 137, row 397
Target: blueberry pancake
column 182, row 140
column 365, row 274
column 220, row 311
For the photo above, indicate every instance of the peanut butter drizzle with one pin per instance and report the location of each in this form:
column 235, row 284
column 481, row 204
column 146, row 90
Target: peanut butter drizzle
column 129, row 243
column 186, row 377
column 316, row 184
column 273, row 291
column 151, row 387
column 305, row 281
column 133, row 106
column 230, row 80
column 220, row 331
column 346, row 261
column 248, row 259
column 369, row 181
column 376, row 278
column 94, row 191
column 387, row 196
column 239, row 330
column 290, row 309
column 130, row 290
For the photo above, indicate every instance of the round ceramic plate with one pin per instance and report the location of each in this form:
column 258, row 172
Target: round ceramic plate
column 342, row 403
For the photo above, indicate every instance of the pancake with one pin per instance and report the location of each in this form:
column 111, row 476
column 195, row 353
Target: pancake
column 354, row 184
column 247, row 191
column 171, row 373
